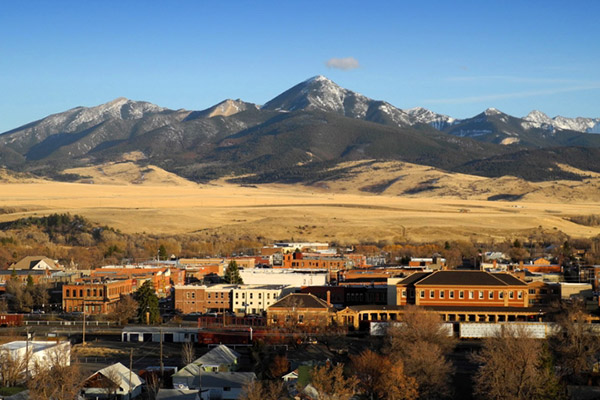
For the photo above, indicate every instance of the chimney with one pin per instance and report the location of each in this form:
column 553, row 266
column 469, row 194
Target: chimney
column 329, row 298
column 495, row 264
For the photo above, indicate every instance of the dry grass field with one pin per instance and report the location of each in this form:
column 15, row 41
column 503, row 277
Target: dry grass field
column 413, row 203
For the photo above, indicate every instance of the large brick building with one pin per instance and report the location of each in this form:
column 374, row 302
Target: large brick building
column 463, row 288
column 94, row 297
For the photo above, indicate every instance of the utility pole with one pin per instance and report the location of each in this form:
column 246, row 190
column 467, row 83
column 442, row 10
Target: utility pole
column 83, row 327
column 130, row 368
column 161, row 354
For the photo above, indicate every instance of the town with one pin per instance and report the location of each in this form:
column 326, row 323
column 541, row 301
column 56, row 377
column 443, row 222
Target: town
column 290, row 318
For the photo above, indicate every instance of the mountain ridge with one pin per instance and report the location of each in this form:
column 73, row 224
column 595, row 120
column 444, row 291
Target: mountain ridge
column 302, row 130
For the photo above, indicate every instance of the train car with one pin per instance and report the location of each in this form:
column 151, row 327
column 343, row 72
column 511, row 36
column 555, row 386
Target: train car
column 224, row 337
column 475, row 330
column 11, row 320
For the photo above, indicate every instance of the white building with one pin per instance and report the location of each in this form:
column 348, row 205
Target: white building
column 283, row 276
column 40, row 352
column 255, row 299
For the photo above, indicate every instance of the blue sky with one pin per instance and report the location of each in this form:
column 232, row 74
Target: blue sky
column 453, row 57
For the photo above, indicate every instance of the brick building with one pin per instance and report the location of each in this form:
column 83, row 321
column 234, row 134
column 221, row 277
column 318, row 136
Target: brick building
column 159, row 276
column 201, row 299
column 94, row 297
column 463, row 288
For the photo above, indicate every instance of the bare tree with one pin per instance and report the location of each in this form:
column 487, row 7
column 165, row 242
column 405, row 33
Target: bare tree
column 125, row 309
column 381, row 378
column 152, row 385
column 575, row 345
column 12, row 368
column 55, row 378
column 396, row 385
column 263, row 390
column 419, row 325
column 112, row 382
column 513, row 367
column 330, row 383
column 188, row 353
column 279, row 366
column 422, row 343
column 427, row 364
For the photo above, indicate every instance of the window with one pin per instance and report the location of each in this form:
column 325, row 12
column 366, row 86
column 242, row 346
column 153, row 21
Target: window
column 431, row 294
column 236, row 295
column 208, row 296
column 404, row 293
column 501, row 295
column 222, row 294
column 67, row 293
column 187, row 295
column 95, row 292
column 441, row 294
column 520, row 294
column 471, row 296
column 422, row 294
column 461, row 294
column 268, row 295
column 481, row 295
column 511, row 295
column 531, row 291
column 193, row 295
column 260, row 295
column 452, row 294
column 250, row 295
column 100, row 292
column 87, row 292
column 491, row 294
column 80, row 292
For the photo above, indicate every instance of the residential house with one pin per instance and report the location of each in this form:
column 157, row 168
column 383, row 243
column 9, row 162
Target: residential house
column 37, row 263
column 114, row 380
column 302, row 309
column 220, row 358
column 177, row 394
column 224, row 385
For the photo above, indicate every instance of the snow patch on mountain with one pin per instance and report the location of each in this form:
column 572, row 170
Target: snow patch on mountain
column 537, row 119
column 425, row 116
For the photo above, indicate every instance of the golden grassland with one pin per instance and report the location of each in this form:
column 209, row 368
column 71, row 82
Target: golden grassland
column 444, row 206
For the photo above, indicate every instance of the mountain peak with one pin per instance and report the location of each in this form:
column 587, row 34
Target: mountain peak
column 492, row 111
column 318, row 78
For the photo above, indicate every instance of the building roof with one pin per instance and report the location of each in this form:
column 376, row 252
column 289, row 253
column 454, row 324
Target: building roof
column 468, row 278
column 220, row 355
column 473, row 309
column 177, row 394
column 226, row 379
column 509, row 279
column 123, row 372
column 30, row 262
column 412, row 278
column 301, row 300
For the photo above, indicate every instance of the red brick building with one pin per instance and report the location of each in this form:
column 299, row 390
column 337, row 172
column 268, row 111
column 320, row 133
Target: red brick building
column 201, row 299
column 463, row 288
column 94, row 297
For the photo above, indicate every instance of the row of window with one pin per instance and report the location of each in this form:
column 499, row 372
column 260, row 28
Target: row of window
column 480, row 294
column 89, row 292
column 250, row 296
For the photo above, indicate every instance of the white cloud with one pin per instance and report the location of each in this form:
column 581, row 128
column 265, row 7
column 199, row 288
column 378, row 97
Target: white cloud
column 346, row 63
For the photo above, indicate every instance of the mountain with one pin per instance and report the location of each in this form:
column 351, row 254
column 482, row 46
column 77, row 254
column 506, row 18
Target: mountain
column 538, row 119
column 321, row 94
column 494, row 126
column 225, row 108
column 297, row 136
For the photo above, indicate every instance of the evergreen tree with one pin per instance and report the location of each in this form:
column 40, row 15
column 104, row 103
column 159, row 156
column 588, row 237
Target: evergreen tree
column 162, row 252
column 232, row 274
column 147, row 303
